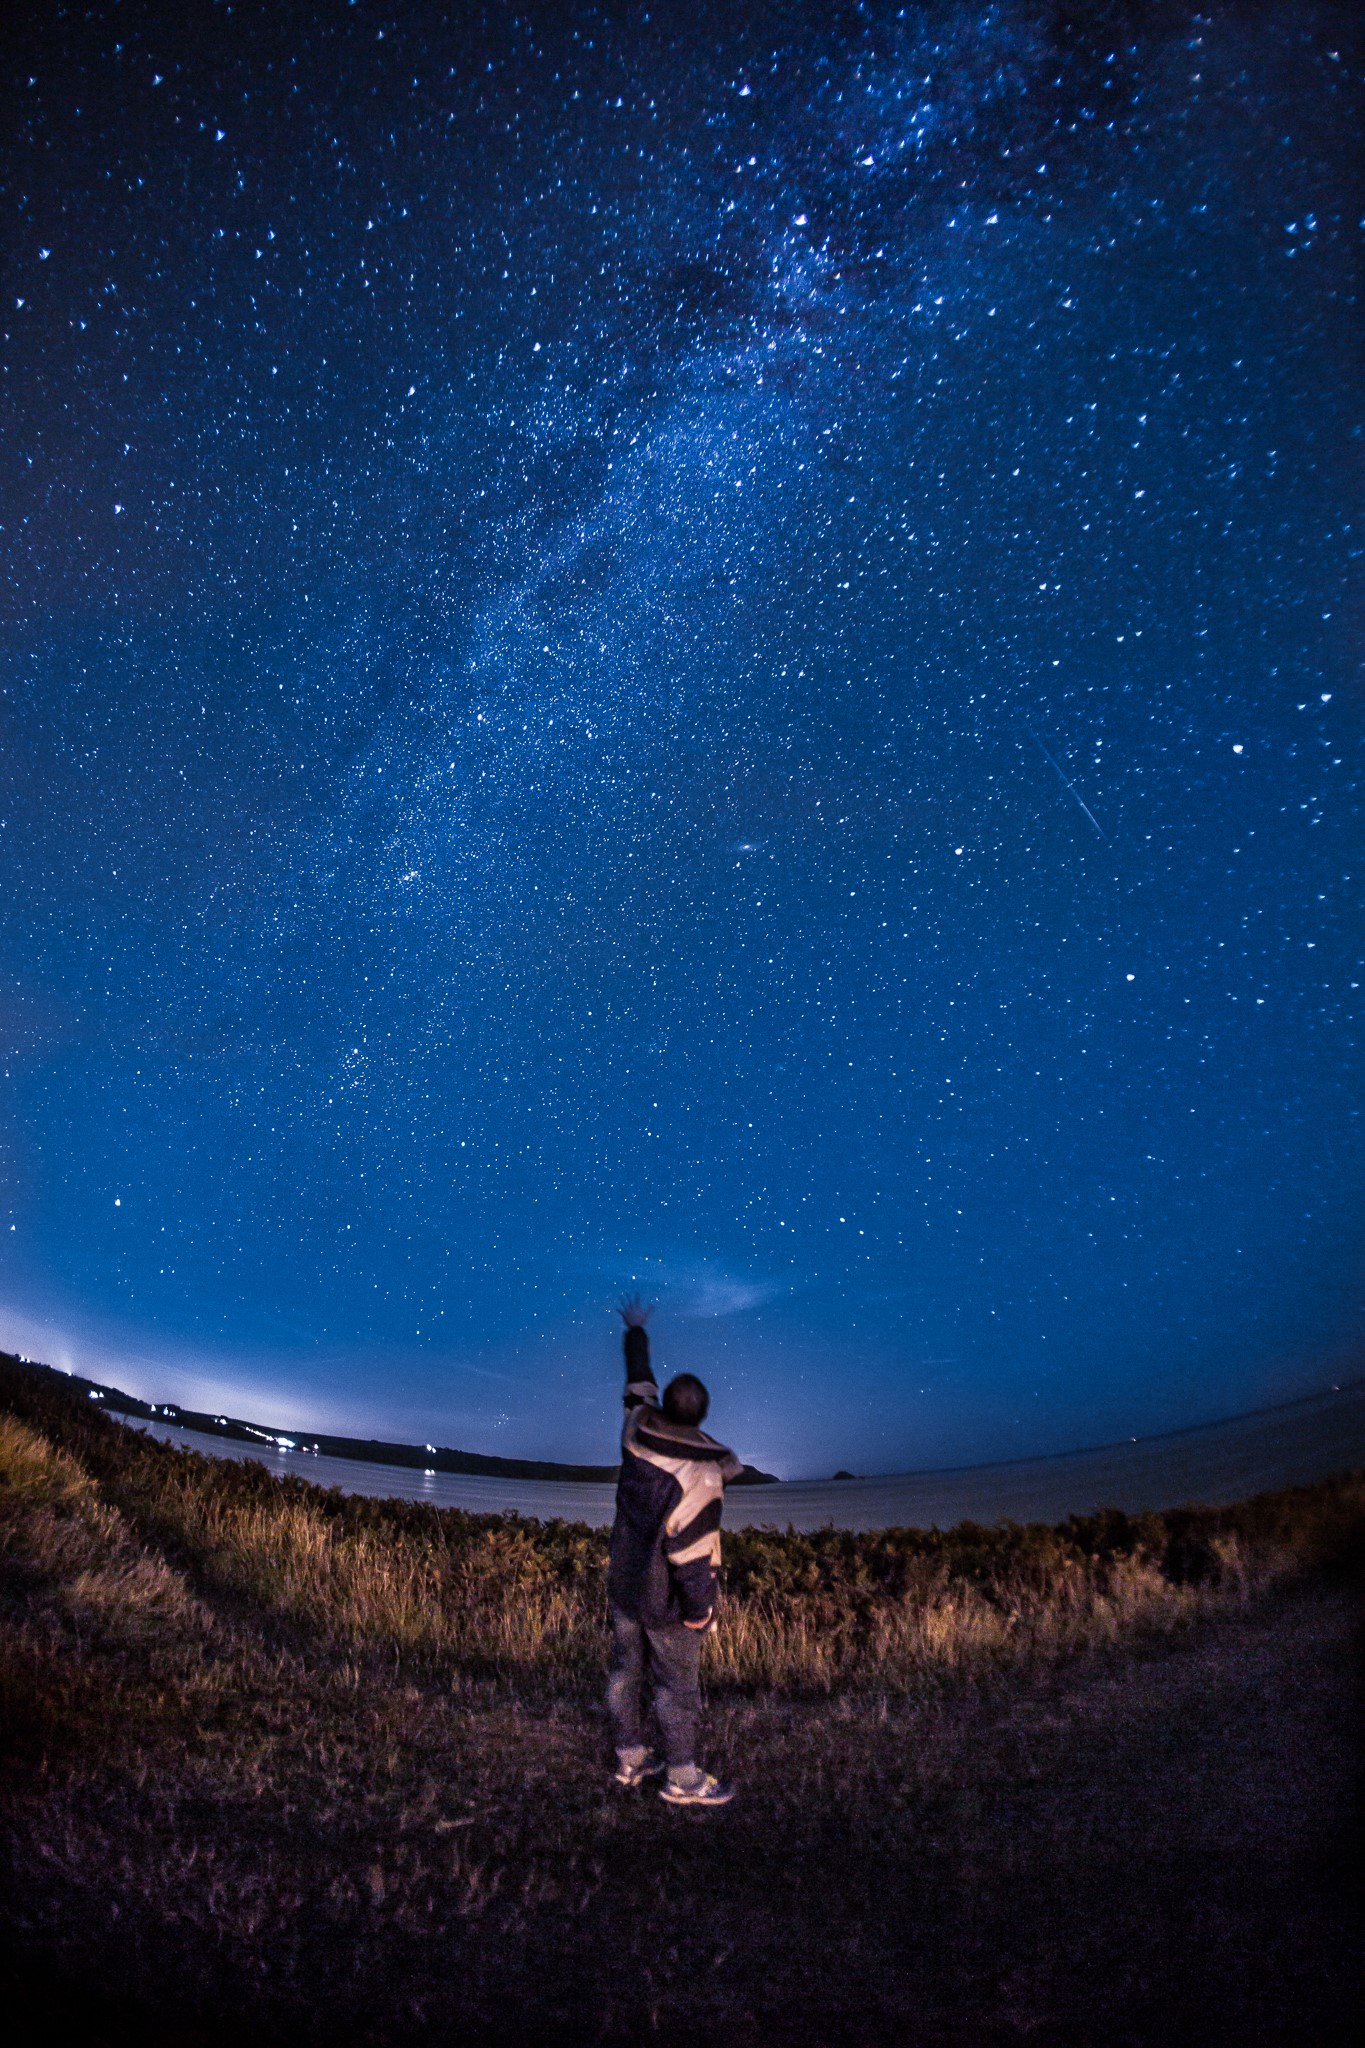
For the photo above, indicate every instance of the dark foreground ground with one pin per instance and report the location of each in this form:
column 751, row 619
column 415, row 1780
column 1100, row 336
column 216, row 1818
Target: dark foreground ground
column 1154, row 1846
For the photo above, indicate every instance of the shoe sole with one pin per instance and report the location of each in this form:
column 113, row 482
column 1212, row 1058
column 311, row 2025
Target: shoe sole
column 674, row 1799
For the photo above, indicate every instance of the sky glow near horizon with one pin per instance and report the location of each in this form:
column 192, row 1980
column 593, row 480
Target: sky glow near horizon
column 653, row 651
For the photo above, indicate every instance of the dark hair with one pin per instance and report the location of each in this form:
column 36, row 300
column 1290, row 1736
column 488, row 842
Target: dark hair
column 686, row 1400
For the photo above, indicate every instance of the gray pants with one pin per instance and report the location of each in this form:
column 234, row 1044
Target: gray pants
column 669, row 1656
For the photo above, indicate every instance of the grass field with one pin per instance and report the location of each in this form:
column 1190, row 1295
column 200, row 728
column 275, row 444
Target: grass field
column 319, row 1767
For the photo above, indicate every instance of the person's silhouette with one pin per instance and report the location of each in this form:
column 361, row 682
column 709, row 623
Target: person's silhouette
column 661, row 1584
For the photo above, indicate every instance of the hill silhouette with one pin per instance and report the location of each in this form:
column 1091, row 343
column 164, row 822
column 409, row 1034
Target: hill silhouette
column 369, row 1450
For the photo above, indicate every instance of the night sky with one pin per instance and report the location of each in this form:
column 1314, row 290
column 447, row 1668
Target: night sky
column 696, row 648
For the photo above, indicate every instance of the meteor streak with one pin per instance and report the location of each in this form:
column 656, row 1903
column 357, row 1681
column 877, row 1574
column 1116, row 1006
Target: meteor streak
column 1067, row 784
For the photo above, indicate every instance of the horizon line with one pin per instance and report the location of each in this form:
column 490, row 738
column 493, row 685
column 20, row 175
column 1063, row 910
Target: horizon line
column 858, row 1478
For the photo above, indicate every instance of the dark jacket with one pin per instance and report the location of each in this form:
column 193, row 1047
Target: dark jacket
column 665, row 1541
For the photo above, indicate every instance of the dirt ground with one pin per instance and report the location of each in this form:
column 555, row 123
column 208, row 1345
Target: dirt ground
column 1158, row 1845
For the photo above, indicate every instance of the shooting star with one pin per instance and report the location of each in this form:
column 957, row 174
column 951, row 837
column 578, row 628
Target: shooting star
column 1067, row 784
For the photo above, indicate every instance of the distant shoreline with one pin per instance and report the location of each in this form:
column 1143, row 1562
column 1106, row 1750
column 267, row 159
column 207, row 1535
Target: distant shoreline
column 367, row 1450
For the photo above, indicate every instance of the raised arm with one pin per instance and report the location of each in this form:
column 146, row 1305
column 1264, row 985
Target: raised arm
column 642, row 1389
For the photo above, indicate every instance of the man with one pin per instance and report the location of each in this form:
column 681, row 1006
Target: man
column 661, row 1584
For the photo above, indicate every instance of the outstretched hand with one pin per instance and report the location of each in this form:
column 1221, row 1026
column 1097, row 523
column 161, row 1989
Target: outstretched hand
column 633, row 1313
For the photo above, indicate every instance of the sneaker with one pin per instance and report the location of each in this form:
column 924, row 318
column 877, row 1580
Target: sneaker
column 707, row 1791
column 631, row 1775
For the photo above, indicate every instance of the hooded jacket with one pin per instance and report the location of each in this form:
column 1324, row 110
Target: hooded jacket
column 665, row 1541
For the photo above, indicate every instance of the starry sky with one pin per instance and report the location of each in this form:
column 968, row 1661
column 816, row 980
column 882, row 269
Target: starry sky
column 691, row 648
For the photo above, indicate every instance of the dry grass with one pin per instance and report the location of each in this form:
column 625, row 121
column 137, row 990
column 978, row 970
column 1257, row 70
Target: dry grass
column 939, row 1627
column 56, row 1531
column 508, row 1597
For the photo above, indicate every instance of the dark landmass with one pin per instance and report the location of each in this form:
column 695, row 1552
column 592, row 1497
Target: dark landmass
column 417, row 1457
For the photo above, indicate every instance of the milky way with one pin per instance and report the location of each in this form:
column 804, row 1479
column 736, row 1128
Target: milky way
column 684, row 649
